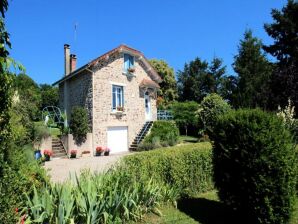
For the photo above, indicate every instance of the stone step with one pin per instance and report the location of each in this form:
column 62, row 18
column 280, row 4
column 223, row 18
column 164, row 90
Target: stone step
column 58, row 147
column 59, row 151
column 59, row 154
column 134, row 145
column 133, row 148
column 60, row 157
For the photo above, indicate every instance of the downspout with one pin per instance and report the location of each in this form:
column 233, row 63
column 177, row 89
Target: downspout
column 92, row 72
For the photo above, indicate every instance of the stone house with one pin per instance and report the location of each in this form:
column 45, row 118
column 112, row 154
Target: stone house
column 118, row 89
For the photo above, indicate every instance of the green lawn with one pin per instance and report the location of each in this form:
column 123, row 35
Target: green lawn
column 204, row 209
column 187, row 139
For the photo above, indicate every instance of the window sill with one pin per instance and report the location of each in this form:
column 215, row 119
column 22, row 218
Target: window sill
column 128, row 74
column 118, row 113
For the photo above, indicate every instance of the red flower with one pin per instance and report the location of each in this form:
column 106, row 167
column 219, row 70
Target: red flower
column 47, row 152
column 73, row 152
column 16, row 210
column 99, row 149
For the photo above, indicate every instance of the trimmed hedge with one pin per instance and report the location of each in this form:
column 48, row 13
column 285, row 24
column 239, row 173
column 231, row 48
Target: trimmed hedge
column 187, row 167
column 255, row 165
column 162, row 133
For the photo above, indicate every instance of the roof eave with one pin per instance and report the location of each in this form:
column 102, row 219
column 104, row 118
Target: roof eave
column 72, row 74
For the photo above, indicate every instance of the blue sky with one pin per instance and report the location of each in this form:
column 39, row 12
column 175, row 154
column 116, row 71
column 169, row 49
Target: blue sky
column 174, row 30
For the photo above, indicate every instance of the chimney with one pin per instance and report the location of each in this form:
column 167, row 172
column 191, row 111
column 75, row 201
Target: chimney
column 73, row 62
column 66, row 59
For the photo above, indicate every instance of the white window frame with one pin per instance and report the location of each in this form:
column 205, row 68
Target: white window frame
column 121, row 103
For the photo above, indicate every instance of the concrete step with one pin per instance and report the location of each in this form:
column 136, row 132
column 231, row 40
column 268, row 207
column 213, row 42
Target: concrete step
column 57, row 146
column 59, row 154
column 133, row 149
column 60, row 157
column 59, row 151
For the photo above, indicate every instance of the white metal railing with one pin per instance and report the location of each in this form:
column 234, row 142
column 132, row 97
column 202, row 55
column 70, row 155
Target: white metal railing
column 164, row 115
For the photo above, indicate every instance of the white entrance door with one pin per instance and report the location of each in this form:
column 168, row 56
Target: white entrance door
column 117, row 139
column 147, row 107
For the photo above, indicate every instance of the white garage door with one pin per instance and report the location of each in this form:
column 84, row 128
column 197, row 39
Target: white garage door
column 117, row 139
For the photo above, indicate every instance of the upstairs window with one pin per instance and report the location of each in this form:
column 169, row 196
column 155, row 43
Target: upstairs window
column 118, row 98
column 128, row 62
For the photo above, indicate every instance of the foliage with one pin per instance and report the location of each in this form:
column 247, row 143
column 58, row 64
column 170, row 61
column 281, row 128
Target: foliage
column 199, row 78
column 254, row 72
column 185, row 114
column 20, row 175
column 79, row 123
column 49, row 95
column 287, row 115
column 29, row 93
column 168, row 86
column 284, row 31
column 40, row 131
column 162, row 133
column 108, row 198
column 187, row 168
column 211, row 107
column 255, row 165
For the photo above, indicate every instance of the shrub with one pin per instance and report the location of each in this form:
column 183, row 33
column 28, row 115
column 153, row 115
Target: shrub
column 162, row 133
column 22, row 173
column 187, row 167
column 40, row 131
column 185, row 115
column 255, row 165
column 211, row 107
column 79, row 124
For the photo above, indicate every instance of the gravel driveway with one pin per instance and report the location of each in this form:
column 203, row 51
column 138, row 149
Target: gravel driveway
column 60, row 169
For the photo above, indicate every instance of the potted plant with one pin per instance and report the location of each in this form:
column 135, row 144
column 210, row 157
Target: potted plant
column 131, row 70
column 73, row 154
column 99, row 150
column 107, row 151
column 37, row 154
column 120, row 109
column 86, row 153
column 47, row 154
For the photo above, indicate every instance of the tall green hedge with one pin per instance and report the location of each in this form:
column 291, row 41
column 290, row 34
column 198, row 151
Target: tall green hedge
column 255, row 165
column 187, row 167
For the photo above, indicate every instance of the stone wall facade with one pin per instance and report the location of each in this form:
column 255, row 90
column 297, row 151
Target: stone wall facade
column 106, row 75
column 79, row 93
column 94, row 92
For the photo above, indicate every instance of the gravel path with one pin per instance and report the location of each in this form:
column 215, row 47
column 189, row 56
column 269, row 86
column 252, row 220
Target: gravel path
column 60, row 169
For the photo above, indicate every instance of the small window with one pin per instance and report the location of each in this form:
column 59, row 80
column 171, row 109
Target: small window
column 128, row 62
column 118, row 98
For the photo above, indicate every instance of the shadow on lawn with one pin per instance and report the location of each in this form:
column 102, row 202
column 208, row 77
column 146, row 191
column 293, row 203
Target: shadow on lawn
column 208, row 211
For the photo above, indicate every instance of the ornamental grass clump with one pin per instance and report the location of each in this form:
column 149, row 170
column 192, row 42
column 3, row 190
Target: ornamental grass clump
column 255, row 165
column 93, row 199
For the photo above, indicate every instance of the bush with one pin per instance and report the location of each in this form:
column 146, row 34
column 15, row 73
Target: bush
column 187, row 167
column 162, row 133
column 211, row 107
column 79, row 124
column 184, row 114
column 40, row 131
column 21, row 173
column 255, row 165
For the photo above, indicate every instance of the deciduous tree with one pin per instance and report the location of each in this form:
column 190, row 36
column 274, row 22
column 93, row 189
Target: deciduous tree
column 168, row 87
